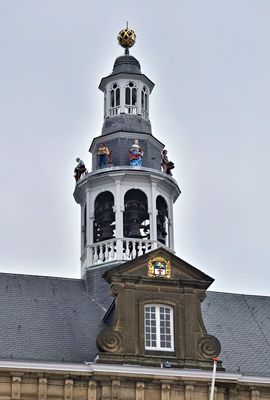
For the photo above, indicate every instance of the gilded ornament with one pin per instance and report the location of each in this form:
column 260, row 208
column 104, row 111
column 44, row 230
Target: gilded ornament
column 159, row 267
column 126, row 38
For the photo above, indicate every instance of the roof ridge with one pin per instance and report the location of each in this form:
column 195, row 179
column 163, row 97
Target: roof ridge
column 40, row 276
column 238, row 294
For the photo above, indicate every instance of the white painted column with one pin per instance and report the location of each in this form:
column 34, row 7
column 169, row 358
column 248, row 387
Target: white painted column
column 83, row 230
column 170, row 224
column 108, row 101
column 122, row 96
column 119, row 208
column 139, row 99
column 89, row 217
column 90, row 214
column 153, row 214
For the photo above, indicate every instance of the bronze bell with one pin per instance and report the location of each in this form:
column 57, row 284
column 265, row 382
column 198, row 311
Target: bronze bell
column 135, row 214
column 104, row 222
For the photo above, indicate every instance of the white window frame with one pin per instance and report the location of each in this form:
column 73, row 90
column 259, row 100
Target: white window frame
column 158, row 332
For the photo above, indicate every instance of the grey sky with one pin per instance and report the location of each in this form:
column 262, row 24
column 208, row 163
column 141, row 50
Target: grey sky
column 210, row 61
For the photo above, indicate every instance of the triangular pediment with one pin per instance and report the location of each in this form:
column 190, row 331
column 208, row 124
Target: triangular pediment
column 172, row 269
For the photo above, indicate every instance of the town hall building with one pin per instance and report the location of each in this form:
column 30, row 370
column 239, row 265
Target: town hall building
column 140, row 323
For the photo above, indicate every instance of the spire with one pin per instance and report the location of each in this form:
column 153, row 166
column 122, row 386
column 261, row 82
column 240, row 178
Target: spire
column 126, row 201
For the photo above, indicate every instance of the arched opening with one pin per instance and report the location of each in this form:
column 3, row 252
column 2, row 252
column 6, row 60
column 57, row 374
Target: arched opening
column 162, row 219
column 144, row 102
column 114, row 99
column 131, row 98
column 136, row 217
column 104, row 221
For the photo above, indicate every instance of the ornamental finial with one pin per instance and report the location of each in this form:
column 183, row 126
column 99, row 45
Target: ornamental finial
column 126, row 38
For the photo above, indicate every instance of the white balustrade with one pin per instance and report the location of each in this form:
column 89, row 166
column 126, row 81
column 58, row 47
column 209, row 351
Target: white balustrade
column 107, row 250
column 103, row 252
column 131, row 109
column 114, row 111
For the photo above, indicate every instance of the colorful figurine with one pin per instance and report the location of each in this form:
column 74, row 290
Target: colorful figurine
column 79, row 169
column 166, row 165
column 103, row 153
column 135, row 155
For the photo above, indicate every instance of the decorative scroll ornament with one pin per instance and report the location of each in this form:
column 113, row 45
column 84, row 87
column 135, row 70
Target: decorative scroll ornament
column 109, row 341
column 159, row 267
column 209, row 346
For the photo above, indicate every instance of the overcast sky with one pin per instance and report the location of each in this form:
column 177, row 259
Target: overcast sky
column 210, row 61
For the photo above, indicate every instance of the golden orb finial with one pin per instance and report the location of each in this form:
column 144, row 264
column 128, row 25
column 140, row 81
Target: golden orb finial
column 126, row 38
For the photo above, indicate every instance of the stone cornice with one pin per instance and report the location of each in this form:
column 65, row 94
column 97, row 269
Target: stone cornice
column 87, row 369
column 114, row 172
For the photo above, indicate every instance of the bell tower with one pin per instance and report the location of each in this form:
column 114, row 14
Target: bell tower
column 127, row 199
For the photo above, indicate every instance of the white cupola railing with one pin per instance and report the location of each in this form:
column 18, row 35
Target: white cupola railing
column 120, row 249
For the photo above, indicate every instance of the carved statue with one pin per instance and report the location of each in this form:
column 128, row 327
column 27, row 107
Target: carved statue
column 166, row 165
column 135, row 155
column 79, row 169
column 103, row 153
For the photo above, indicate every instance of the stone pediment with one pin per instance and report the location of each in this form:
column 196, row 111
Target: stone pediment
column 173, row 271
column 158, row 280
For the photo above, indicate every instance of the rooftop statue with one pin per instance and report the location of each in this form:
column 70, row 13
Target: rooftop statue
column 166, row 165
column 103, row 153
column 80, row 169
column 135, row 155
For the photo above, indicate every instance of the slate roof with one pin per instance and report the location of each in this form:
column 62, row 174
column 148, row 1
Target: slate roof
column 242, row 325
column 58, row 319
column 126, row 63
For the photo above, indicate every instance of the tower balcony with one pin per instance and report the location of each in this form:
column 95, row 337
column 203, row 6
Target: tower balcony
column 117, row 251
column 125, row 212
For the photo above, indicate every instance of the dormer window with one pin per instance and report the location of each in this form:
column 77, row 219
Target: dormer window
column 145, row 105
column 114, row 100
column 131, row 98
column 158, row 327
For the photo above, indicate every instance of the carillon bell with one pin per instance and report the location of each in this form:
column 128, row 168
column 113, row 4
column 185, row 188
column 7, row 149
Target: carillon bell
column 104, row 223
column 135, row 214
column 161, row 230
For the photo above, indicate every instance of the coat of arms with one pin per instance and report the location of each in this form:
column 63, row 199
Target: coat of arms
column 159, row 267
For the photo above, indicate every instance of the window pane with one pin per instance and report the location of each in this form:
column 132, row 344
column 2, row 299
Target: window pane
column 112, row 98
column 146, row 102
column 134, row 96
column 142, row 99
column 158, row 327
column 117, row 97
column 128, row 96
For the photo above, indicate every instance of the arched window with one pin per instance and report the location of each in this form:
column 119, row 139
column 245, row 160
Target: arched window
column 114, row 99
column 162, row 219
column 131, row 98
column 144, row 102
column 136, row 217
column 158, row 327
column 104, row 222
